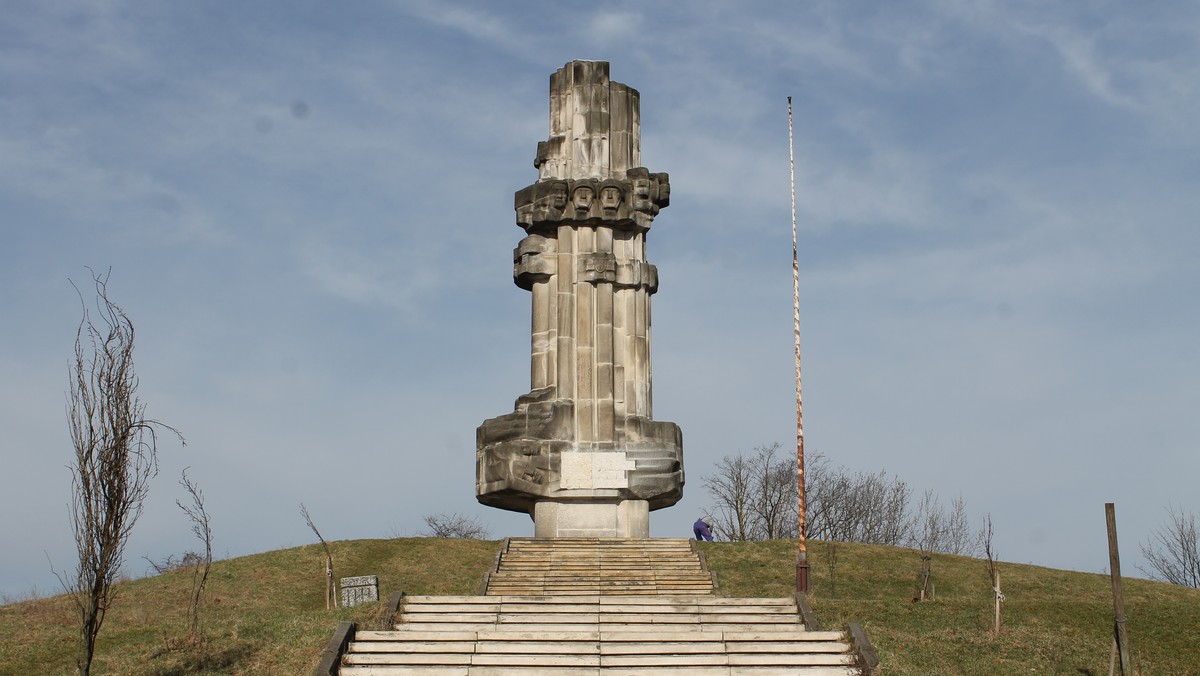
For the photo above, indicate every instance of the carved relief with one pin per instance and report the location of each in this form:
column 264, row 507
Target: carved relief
column 611, row 194
column 598, row 267
column 534, row 261
column 594, row 201
column 581, row 197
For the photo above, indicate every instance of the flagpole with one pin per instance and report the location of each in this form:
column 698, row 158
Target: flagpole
column 802, row 576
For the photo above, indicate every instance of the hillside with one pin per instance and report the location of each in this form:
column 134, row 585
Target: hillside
column 265, row 613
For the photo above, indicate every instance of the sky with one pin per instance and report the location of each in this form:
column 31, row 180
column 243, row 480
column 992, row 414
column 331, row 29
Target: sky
column 306, row 208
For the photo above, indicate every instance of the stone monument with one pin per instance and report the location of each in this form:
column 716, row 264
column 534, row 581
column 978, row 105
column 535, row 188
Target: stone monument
column 581, row 453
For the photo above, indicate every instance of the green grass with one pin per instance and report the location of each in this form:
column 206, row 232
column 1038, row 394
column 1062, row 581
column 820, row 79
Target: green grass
column 264, row 614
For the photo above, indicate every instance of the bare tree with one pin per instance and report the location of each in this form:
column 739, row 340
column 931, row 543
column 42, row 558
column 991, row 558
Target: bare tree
column 116, row 456
column 934, row 529
column 959, row 538
column 200, row 526
column 755, row 498
column 730, row 488
column 754, row 495
column 330, row 596
column 985, row 539
column 773, row 494
column 831, row 561
column 1173, row 551
column 455, row 526
column 857, row 507
column 927, row 530
column 174, row 563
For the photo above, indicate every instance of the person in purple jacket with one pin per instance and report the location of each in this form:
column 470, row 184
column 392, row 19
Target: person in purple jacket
column 703, row 528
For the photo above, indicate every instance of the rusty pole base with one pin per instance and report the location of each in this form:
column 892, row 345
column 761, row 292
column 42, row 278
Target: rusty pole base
column 802, row 577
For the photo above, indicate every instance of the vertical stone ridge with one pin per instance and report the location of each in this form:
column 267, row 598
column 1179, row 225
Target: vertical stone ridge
column 594, row 130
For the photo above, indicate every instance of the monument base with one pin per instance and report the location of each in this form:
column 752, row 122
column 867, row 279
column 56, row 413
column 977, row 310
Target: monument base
column 591, row 519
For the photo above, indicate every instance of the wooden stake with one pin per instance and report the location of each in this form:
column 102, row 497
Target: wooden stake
column 999, row 598
column 1120, row 631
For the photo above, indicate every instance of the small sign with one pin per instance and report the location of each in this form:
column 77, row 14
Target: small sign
column 358, row 590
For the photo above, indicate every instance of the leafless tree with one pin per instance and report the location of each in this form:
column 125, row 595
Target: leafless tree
column 200, row 526
column 730, row 488
column 116, row 456
column 959, row 538
column 857, row 507
column 989, row 554
column 1173, row 551
column 454, row 526
column 934, row 529
column 754, row 498
column 773, row 494
column 330, row 596
column 831, row 561
column 927, row 529
column 174, row 563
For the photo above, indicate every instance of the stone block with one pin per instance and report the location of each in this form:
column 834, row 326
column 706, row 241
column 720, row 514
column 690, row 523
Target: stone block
column 592, row 518
column 360, row 589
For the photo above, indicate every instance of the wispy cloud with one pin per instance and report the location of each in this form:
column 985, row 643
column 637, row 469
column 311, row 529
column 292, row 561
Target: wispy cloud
column 1144, row 62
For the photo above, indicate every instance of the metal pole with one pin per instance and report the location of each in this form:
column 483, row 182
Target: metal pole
column 802, row 577
column 1120, row 631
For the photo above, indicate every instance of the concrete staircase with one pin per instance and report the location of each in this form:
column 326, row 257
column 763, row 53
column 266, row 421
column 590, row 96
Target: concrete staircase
column 598, row 607
column 608, row 566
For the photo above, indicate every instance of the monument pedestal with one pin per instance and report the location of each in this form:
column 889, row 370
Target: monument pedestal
column 591, row 518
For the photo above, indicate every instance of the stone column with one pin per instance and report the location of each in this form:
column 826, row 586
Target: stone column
column 581, row 453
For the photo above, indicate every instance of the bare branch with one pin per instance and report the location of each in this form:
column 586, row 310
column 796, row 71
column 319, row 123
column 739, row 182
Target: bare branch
column 989, row 555
column 1173, row 551
column 330, row 597
column 985, row 538
column 200, row 526
column 755, row 498
column 116, row 456
column 730, row 488
column 454, row 526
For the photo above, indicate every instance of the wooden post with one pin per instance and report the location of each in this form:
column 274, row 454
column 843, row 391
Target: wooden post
column 924, row 590
column 1120, row 630
column 802, row 570
column 999, row 599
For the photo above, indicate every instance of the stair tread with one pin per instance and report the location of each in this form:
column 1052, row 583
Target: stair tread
column 593, row 606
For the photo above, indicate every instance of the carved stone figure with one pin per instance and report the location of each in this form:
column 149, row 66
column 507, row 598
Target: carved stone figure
column 581, row 453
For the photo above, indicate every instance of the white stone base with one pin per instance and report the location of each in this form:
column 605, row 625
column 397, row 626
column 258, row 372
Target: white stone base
column 591, row 519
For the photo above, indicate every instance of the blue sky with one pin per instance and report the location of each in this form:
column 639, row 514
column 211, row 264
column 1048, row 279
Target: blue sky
column 307, row 210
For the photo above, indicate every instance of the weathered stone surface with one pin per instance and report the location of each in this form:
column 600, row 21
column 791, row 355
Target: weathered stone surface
column 581, row 452
column 359, row 589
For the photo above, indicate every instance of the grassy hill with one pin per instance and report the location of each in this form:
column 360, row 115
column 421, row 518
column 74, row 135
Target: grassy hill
column 264, row 614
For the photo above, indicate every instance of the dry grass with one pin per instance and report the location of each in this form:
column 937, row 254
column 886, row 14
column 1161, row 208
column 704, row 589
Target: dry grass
column 261, row 614
column 265, row 614
column 1054, row 621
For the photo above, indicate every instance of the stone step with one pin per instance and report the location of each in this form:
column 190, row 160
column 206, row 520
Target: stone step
column 526, row 670
column 616, row 648
column 603, row 606
column 605, row 667
column 716, row 603
column 608, row 566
